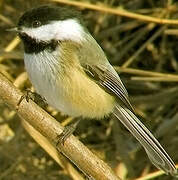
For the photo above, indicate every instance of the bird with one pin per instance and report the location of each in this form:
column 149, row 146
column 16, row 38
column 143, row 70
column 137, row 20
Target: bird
column 67, row 67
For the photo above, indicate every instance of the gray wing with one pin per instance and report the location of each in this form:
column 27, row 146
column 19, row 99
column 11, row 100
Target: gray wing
column 110, row 82
column 124, row 112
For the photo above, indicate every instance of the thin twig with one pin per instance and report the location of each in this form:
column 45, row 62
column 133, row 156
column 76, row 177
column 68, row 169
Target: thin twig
column 151, row 39
column 159, row 79
column 120, row 12
column 6, row 20
column 12, row 45
column 152, row 175
column 171, row 32
column 144, row 72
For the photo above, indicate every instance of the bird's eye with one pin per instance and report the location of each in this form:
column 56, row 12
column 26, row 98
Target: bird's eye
column 36, row 24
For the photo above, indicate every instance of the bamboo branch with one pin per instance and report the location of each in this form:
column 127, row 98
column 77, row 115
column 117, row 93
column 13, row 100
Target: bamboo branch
column 52, row 151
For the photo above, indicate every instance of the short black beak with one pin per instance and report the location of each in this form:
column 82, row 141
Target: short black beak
column 15, row 29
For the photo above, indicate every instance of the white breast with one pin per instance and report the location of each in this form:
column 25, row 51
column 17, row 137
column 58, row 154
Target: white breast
column 43, row 72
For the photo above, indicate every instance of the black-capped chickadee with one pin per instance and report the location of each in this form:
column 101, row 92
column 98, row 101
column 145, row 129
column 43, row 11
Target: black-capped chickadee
column 70, row 70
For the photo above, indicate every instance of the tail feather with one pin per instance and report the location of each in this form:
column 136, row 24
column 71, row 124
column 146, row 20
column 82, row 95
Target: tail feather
column 153, row 148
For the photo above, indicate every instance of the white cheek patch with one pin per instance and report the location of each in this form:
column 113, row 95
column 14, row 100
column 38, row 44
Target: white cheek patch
column 59, row 30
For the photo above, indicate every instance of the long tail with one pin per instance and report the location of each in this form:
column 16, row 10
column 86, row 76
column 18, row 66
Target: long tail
column 153, row 148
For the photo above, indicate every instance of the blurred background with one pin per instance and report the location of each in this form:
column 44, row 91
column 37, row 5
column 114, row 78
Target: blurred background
column 143, row 52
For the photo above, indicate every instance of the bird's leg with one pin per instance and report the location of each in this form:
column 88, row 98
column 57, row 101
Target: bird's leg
column 68, row 130
column 33, row 96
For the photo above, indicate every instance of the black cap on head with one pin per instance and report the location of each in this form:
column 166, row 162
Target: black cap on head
column 44, row 14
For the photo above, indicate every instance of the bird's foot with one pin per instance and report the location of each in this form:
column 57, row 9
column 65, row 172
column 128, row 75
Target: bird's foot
column 33, row 96
column 68, row 130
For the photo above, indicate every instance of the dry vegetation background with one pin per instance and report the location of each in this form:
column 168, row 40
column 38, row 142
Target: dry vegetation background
column 145, row 54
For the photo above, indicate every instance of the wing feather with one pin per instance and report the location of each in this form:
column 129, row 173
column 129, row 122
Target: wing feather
column 111, row 82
